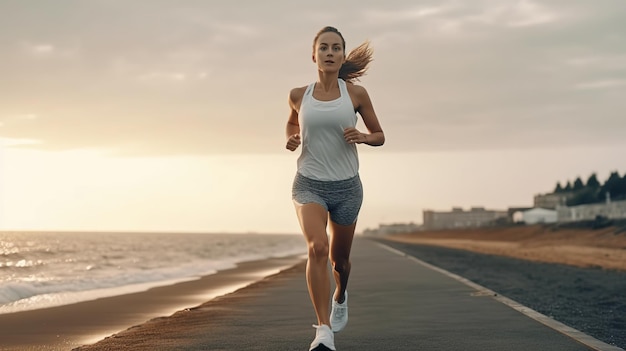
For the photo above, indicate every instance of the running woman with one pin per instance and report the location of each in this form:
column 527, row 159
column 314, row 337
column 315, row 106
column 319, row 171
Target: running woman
column 327, row 189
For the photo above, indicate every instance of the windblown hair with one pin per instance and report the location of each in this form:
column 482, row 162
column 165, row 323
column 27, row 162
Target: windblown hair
column 357, row 60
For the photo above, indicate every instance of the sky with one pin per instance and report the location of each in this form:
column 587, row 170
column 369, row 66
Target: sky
column 157, row 115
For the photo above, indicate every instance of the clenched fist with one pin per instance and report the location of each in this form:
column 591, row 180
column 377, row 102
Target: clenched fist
column 353, row 136
column 293, row 142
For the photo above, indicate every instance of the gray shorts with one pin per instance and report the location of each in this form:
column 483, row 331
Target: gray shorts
column 342, row 199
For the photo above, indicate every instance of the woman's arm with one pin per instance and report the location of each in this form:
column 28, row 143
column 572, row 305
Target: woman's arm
column 293, row 127
column 365, row 108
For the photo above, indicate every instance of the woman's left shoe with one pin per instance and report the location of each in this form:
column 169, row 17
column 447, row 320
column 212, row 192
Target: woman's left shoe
column 339, row 314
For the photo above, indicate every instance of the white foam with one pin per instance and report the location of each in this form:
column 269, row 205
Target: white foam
column 72, row 271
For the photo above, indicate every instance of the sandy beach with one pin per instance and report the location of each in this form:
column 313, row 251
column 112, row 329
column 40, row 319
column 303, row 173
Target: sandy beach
column 70, row 326
column 581, row 247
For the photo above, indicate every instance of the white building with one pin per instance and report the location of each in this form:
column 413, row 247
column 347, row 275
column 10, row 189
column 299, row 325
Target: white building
column 610, row 210
column 535, row 216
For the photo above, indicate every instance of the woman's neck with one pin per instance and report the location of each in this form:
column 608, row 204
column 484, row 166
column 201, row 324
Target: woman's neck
column 327, row 81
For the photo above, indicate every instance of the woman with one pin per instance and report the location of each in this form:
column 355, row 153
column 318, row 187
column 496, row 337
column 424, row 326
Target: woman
column 327, row 190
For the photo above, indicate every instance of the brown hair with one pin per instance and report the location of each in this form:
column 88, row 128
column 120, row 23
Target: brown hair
column 357, row 60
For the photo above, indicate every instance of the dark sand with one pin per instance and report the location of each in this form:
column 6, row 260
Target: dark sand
column 66, row 327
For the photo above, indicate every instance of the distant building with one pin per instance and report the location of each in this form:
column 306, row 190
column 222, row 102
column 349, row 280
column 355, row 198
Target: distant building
column 610, row 210
column 458, row 218
column 552, row 200
column 395, row 228
column 535, row 216
column 515, row 211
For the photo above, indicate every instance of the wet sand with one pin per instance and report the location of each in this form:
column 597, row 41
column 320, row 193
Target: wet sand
column 70, row 326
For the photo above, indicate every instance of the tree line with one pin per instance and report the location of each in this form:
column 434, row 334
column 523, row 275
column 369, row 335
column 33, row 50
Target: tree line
column 592, row 191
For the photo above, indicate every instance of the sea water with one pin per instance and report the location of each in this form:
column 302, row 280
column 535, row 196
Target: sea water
column 45, row 269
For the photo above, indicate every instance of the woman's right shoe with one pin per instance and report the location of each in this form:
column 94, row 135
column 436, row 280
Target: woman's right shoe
column 324, row 339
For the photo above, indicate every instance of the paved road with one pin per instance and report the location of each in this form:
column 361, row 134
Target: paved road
column 396, row 303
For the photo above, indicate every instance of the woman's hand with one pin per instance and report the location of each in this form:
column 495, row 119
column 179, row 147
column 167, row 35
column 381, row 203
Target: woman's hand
column 353, row 136
column 293, row 142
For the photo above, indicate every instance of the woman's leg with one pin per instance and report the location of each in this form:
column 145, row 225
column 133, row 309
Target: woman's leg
column 340, row 245
column 313, row 219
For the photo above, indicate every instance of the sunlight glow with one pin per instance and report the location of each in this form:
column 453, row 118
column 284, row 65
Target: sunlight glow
column 91, row 190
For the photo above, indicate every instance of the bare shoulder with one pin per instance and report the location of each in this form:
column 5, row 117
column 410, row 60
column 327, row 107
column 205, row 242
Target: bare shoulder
column 296, row 94
column 295, row 98
column 356, row 90
column 359, row 96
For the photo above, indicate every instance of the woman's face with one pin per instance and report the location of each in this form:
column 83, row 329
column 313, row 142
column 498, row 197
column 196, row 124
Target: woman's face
column 329, row 52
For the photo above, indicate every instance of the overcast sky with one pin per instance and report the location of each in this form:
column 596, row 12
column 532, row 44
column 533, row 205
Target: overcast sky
column 198, row 77
column 156, row 78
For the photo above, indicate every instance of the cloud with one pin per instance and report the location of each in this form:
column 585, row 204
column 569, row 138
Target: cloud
column 47, row 50
column 24, row 119
column 41, row 48
column 457, row 18
column 212, row 77
column 523, row 13
column 170, row 76
column 8, row 142
column 602, row 84
column 25, row 116
column 393, row 16
column 606, row 62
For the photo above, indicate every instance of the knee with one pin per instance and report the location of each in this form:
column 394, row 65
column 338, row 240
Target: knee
column 318, row 250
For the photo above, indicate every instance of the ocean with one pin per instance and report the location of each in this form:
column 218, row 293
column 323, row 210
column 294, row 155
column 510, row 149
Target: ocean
column 45, row 269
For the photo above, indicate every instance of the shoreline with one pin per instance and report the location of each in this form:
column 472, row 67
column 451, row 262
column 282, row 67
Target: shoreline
column 87, row 322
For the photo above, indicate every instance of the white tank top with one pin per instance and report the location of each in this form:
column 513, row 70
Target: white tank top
column 325, row 153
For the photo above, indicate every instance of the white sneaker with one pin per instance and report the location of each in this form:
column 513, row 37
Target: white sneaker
column 339, row 314
column 324, row 338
